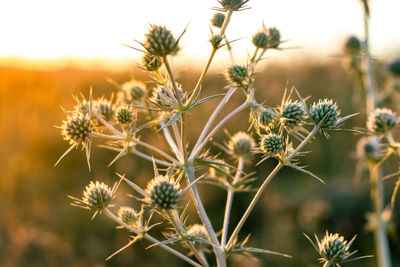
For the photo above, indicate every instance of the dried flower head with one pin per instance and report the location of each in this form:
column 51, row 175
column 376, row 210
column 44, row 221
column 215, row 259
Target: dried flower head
column 163, row 192
column 272, row 144
column 293, row 114
column 128, row 215
column 134, row 90
column 218, row 19
column 151, row 62
column 260, row 39
column 352, row 46
column 234, row 5
column 241, row 144
column 394, row 68
column 97, row 196
column 163, row 99
column 160, row 41
column 76, row 129
column 266, row 117
column 237, row 74
column 325, row 108
column 382, row 120
column 216, row 40
column 368, row 149
column 104, row 108
column 124, row 114
column 274, row 37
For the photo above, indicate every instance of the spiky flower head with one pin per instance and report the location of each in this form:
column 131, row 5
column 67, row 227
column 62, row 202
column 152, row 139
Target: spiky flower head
column 241, row 144
column 368, row 149
column 394, row 68
column 382, row 120
column 274, row 37
column 128, row 215
column 162, row 98
column 237, row 74
column 151, row 62
column 260, row 40
column 163, row 192
column 104, row 108
column 216, row 40
column 124, row 114
column 334, row 248
column 198, row 231
column 232, row 4
column 97, row 195
column 218, row 19
column 134, row 90
column 76, row 129
column 266, row 117
column 272, row 144
column 352, row 46
column 83, row 107
column 323, row 108
column 160, row 41
column 293, row 114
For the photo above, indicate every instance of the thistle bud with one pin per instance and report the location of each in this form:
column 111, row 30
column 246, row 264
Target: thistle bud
column 163, row 192
column 160, row 41
column 334, row 248
column 124, row 114
column 198, row 231
column 266, row 117
column 97, row 195
column 76, row 129
column 241, row 144
column 232, row 4
column 151, row 62
column 260, row 40
column 352, row 46
column 237, row 74
column 128, row 215
column 134, row 90
column 104, row 108
column 323, row 108
column 272, row 144
column 367, row 149
column 218, row 20
column 274, row 37
column 293, row 114
column 382, row 120
column 394, row 68
column 216, row 40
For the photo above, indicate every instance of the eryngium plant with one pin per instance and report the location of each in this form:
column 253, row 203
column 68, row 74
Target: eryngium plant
column 278, row 132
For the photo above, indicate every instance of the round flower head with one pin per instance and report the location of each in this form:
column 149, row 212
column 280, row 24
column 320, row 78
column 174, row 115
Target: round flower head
column 323, row 108
column 128, row 215
column 104, row 108
column 163, row 193
column 198, row 231
column 333, row 248
column 260, row 40
column 216, row 40
column 97, row 195
column 83, row 107
column 76, row 129
column 134, row 90
column 160, row 41
column 241, row 144
column 151, row 62
column 274, row 37
column 394, row 68
column 272, row 144
column 367, row 149
column 237, row 74
column 218, row 19
column 266, row 117
column 352, row 46
column 382, row 120
column 232, row 4
column 124, row 114
column 293, row 114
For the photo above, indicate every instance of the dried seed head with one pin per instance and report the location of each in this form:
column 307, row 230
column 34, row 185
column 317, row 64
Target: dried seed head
column 368, row 149
column 160, row 41
column 323, row 108
column 97, row 195
column 218, row 19
column 83, row 107
column 334, row 248
column 293, row 114
column 241, row 144
column 274, row 37
column 151, row 62
column 134, row 90
column 382, row 120
column 272, row 144
column 216, row 40
column 232, row 4
column 266, row 117
column 394, row 68
column 237, row 74
column 104, row 108
column 163, row 192
column 198, row 231
column 76, row 129
column 128, row 215
column 260, row 40
column 124, row 114
column 352, row 46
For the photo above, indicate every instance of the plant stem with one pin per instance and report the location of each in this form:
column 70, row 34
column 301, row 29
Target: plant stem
column 171, row 76
column 110, row 215
column 204, row 218
column 229, row 200
column 170, row 140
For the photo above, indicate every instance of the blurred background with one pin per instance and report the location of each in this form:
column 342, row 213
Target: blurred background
column 51, row 50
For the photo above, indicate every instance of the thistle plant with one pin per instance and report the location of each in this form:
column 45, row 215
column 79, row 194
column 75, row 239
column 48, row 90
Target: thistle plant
column 280, row 132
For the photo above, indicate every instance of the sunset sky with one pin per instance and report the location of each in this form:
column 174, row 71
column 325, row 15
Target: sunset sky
column 47, row 29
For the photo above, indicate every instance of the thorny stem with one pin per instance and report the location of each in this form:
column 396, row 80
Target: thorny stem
column 265, row 183
column 110, row 215
column 197, row 88
column 377, row 190
column 229, row 200
column 178, row 225
column 204, row 218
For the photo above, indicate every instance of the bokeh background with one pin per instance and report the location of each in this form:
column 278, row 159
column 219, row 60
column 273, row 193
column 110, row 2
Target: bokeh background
column 53, row 50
